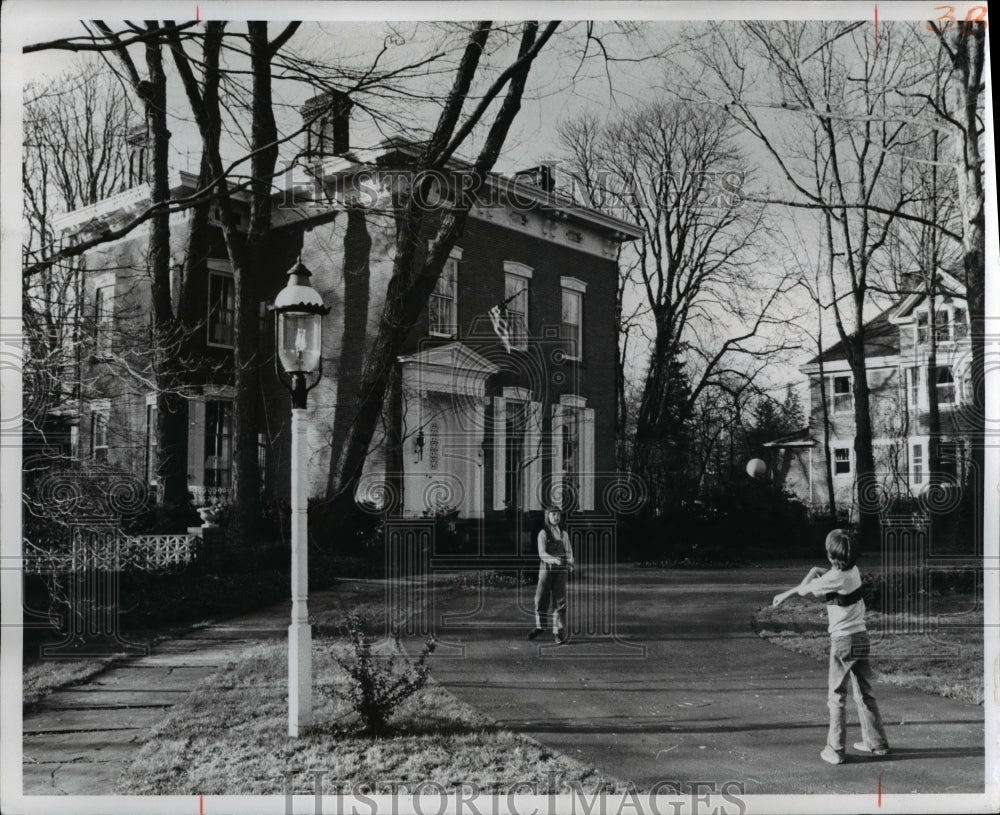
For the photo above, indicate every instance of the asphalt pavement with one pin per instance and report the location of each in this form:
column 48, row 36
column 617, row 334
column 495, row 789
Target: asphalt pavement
column 663, row 681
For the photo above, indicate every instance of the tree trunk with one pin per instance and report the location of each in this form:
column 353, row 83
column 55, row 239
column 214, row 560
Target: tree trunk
column 357, row 280
column 171, row 429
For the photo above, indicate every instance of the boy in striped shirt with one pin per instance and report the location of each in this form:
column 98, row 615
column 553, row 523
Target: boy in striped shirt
column 840, row 586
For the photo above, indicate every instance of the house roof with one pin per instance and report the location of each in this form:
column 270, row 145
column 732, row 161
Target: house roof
column 881, row 339
column 800, row 438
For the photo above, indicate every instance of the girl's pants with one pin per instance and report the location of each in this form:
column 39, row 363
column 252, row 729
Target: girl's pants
column 551, row 592
column 849, row 665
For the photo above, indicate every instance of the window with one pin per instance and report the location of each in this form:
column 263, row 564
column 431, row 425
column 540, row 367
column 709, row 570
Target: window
column 99, row 436
column 151, row 461
column 516, row 294
column 218, row 443
column 945, row 385
column 950, row 324
column 571, row 330
column 942, row 331
column 923, row 328
column 104, row 302
column 74, row 442
column 913, row 391
column 221, row 309
column 841, row 460
column 917, row 463
column 959, row 324
column 441, row 311
column 842, row 397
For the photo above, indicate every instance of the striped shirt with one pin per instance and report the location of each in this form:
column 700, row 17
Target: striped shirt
column 844, row 607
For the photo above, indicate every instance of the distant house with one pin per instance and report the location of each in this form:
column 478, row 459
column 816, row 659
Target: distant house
column 897, row 348
column 498, row 414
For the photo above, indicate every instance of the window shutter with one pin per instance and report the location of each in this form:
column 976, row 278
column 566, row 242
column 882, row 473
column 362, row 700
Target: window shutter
column 587, row 461
column 534, row 452
column 557, row 444
column 196, row 442
column 499, row 450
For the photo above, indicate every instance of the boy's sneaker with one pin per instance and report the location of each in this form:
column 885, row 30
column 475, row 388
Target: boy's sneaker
column 560, row 637
column 831, row 756
column 861, row 747
column 534, row 632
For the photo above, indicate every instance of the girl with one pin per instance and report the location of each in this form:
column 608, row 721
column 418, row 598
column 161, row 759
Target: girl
column 556, row 556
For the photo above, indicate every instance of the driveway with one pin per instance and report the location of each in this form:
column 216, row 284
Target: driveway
column 678, row 688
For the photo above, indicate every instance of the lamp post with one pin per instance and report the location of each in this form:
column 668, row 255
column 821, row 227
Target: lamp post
column 298, row 333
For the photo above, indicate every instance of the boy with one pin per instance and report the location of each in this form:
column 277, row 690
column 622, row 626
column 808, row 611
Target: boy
column 849, row 646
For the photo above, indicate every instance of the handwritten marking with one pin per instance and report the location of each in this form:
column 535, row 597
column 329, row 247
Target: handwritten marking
column 876, row 26
column 880, row 792
column 197, row 15
column 201, row 804
column 945, row 20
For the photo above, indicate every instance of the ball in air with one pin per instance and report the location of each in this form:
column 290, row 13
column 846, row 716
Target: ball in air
column 756, row 468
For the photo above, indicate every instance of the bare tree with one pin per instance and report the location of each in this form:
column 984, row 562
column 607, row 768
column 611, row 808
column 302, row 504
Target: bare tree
column 820, row 98
column 675, row 169
column 425, row 239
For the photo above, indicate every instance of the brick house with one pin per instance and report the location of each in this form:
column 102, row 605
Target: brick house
column 898, row 347
column 488, row 421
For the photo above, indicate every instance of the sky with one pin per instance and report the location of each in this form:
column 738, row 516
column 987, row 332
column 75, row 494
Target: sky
column 562, row 84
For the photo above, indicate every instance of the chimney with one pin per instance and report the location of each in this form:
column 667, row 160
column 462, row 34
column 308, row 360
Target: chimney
column 327, row 119
column 541, row 176
column 137, row 142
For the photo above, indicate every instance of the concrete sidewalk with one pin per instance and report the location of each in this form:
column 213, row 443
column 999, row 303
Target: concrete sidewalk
column 80, row 738
column 687, row 692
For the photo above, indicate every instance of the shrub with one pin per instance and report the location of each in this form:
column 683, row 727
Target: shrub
column 376, row 688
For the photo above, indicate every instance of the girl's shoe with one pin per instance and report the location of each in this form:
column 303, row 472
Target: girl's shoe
column 560, row 637
column 534, row 632
column 861, row 747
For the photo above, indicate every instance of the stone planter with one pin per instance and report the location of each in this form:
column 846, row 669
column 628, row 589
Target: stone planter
column 210, row 516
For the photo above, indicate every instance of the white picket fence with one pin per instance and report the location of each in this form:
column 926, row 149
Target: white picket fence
column 114, row 553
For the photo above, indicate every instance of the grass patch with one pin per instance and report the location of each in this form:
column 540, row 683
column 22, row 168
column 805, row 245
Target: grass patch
column 948, row 662
column 229, row 737
column 39, row 679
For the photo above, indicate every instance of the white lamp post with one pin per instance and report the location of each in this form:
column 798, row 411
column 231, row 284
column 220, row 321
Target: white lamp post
column 298, row 332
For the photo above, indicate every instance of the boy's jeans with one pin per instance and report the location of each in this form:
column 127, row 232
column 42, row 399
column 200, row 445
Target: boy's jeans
column 551, row 588
column 849, row 663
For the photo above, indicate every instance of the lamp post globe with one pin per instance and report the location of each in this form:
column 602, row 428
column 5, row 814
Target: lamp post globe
column 299, row 312
column 298, row 335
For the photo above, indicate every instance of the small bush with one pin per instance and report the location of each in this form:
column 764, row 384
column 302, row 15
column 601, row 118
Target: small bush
column 376, row 688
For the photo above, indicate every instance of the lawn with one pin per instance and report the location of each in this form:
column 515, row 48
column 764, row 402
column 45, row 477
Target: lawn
column 947, row 661
column 230, row 737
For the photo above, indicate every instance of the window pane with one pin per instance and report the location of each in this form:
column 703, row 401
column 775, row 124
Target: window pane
column 218, row 443
column 918, row 463
column 960, row 328
column 945, row 385
column 222, row 309
column 841, row 460
column 922, row 328
column 571, row 322
column 516, row 292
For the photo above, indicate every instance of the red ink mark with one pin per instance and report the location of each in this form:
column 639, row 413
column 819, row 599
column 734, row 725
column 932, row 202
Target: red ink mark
column 876, row 25
column 880, row 791
column 197, row 15
column 201, row 802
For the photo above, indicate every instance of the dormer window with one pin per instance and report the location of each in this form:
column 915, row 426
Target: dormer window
column 950, row 324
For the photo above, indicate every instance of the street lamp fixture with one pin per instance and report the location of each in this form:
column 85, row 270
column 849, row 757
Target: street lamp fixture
column 298, row 334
